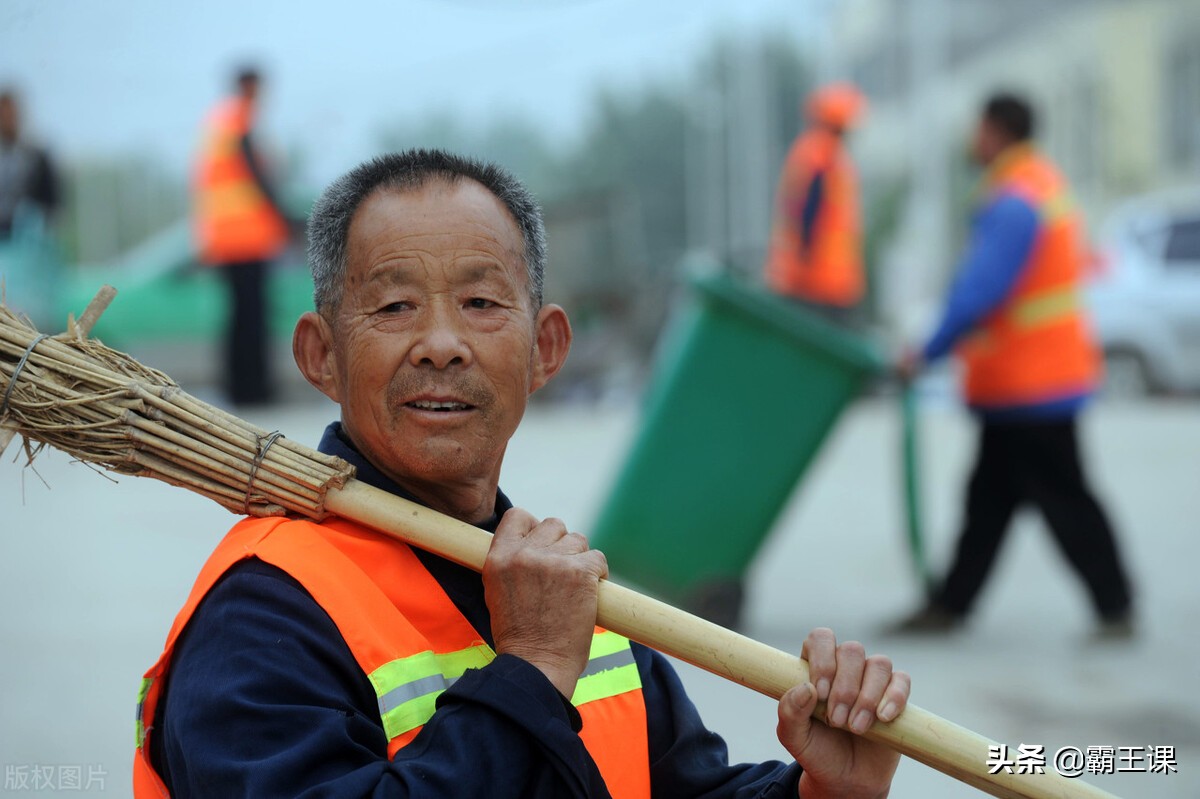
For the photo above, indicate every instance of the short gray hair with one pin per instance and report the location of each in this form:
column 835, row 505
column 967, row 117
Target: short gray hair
column 329, row 222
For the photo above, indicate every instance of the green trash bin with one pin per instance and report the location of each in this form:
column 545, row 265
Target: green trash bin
column 746, row 387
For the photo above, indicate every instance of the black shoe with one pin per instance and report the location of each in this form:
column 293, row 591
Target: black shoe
column 933, row 619
column 1115, row 629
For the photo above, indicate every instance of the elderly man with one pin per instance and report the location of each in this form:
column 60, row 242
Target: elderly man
column 323, row 659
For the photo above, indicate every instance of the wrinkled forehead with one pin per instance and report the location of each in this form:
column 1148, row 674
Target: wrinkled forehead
column 440, row 219
column 437, row 205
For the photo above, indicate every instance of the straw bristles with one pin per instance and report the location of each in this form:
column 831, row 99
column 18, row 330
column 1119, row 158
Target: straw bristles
column 104, row 407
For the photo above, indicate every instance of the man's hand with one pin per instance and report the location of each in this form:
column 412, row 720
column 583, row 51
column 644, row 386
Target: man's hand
column 909, row 365
column 540, row 584
column 857, row 690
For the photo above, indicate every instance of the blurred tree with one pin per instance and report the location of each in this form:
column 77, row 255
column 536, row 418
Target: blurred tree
column 115, row 203
column 515, row 143
column 634, row 146
column 632, row 155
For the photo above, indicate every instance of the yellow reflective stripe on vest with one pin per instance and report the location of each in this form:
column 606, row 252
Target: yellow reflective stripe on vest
column 408, row 688
column 1048, row 306
column 610, row 670
column 1054, row 208
column 140, row 728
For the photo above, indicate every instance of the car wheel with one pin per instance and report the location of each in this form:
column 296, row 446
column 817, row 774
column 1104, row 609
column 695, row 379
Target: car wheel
column 1126, row 375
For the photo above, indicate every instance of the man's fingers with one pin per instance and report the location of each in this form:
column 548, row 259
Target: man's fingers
column 820, row 651
column 521, row 537
column 877, row 675
column 572, row 543
column 851, row 661
column 519, row 529
column 895, row 697
column 548, row 531
column 855, row 688
column 514, row 525
column 596, row 561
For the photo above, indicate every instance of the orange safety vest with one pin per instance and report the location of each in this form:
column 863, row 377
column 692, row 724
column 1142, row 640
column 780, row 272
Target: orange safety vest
column 410, row 640
column 831, row 271
column 1037, row 346
column 234, row 220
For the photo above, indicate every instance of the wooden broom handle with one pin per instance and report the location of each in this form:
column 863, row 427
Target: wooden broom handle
column 917, row 733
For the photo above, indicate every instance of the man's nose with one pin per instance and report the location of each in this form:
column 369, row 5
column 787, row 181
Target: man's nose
column 441, row 338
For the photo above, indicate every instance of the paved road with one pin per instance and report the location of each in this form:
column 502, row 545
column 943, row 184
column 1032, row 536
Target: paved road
column 91, row 573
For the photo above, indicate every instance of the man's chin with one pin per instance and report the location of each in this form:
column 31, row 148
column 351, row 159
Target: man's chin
column 439, row 462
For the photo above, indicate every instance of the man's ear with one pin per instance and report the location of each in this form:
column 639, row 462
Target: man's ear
column 312, row 347
column 553, row 342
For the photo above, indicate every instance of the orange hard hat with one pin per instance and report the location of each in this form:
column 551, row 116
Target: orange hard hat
column 836, row 104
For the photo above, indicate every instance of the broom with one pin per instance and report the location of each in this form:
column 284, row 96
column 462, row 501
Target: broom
column 71, row 392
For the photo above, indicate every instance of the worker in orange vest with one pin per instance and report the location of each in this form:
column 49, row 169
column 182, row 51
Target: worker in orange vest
column 1015, row 316
column 815, row 253
column 324, row 658
column 239, row 229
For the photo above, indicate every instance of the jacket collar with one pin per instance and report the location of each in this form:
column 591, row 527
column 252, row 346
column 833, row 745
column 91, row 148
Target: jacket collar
column 334, row 441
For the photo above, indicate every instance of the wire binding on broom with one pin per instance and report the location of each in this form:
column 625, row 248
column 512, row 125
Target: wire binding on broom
column 102, row 406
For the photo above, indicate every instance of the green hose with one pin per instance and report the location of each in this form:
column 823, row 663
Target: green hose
column 912, row 486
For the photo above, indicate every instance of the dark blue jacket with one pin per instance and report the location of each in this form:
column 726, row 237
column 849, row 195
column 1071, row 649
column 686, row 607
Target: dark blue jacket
column 264, row 699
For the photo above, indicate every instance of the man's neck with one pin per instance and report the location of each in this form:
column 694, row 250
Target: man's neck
column 474, row 503
column 1007, row 155
column 470, row 501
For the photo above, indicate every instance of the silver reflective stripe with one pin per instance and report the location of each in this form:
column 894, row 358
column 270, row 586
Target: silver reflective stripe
column 606, row 662
column 139, row 725
column 411, row 690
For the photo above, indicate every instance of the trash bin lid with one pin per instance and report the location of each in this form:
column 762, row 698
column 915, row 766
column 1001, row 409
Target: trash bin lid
column 789, row 319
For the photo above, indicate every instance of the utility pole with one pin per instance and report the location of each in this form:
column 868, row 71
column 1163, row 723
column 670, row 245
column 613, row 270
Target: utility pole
column 749, row 145
column 929, row 197
column 704, row 162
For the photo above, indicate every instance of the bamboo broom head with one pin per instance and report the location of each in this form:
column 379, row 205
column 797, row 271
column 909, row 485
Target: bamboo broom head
column 73, row 393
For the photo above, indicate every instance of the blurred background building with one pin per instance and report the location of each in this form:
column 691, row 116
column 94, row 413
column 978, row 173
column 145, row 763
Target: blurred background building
column 1117, row 85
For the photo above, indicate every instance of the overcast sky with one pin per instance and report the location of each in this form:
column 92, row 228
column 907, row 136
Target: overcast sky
column 100, row 76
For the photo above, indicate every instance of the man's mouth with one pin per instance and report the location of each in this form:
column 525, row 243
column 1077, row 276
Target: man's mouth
column 442, row 407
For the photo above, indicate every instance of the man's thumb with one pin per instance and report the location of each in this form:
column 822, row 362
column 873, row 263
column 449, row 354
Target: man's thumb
column 795, row 717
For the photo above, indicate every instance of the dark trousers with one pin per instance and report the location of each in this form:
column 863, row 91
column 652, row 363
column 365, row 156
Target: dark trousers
column 1036, row 463
column 247, row 375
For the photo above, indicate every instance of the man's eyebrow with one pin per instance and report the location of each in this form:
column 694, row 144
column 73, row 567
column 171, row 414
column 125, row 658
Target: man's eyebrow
column 394, row 270
column 473, row 273
column 404, row 270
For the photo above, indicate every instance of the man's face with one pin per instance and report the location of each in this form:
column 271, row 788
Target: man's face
column 434, row 349
column 987, row 143
column 249, row 88
column 9, row 121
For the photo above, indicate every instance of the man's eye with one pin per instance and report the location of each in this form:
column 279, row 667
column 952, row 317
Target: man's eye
column 480, row 303
column 395, row 307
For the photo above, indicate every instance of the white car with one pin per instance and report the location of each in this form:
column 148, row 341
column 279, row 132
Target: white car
column 1145, row 296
